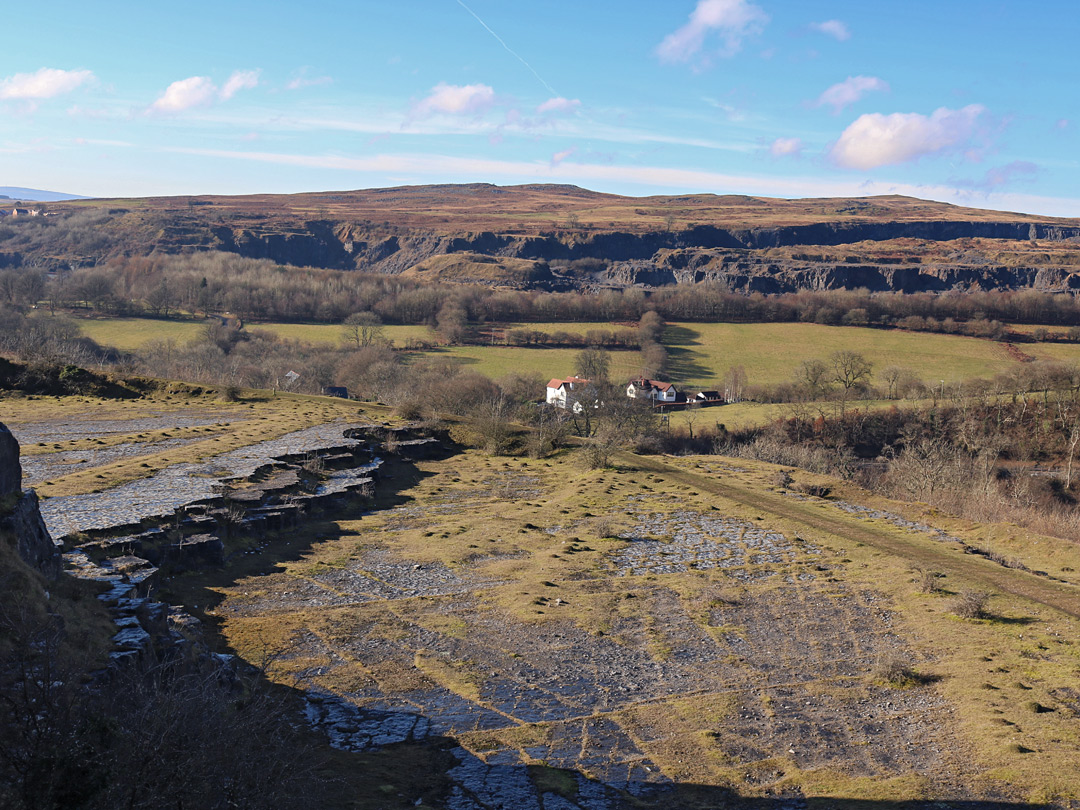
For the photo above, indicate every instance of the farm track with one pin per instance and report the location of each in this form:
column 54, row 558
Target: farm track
column 924, row 552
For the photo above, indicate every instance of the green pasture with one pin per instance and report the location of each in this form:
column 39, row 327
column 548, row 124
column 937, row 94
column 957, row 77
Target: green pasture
column 497, row 362
column 129, row 334
column 333, row 333
column 699, row 353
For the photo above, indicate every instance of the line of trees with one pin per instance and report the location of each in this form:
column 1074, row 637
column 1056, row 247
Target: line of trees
column 214, row 282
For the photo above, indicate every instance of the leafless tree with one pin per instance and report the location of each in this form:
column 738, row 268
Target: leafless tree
column 363, row 329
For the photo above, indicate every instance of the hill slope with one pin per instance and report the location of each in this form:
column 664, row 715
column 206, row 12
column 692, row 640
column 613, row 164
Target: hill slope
column 587, row 238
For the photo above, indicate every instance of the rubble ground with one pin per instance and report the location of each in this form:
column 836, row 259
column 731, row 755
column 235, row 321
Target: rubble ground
column 645, row 634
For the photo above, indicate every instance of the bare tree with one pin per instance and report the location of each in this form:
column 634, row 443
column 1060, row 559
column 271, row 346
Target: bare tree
column 592, row 364
column 851, row 371
column 363, row 329
column 814, row 376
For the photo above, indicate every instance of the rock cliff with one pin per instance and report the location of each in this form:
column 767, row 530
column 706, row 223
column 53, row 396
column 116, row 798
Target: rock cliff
column 747, row 243
column 20, row 518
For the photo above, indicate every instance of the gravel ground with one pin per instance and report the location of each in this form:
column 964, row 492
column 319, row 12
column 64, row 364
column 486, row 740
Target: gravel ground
column 46, row 466
column 792, row 657
column 163, row 493
column 89, row 428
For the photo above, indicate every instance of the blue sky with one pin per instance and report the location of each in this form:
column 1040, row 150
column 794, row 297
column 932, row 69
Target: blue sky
column 961, row 101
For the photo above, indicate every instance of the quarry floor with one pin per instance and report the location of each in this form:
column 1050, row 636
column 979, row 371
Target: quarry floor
column 667, row 633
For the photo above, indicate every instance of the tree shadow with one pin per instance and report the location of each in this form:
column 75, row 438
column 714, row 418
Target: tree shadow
column 685, row 364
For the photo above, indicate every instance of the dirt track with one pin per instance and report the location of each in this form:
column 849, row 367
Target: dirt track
column 926, row 553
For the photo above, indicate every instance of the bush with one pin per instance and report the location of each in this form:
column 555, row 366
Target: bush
column 927, row 582
column 894, row 669
column 604, row 527
column 783, row 479
column 971, row 605
column 596, row 455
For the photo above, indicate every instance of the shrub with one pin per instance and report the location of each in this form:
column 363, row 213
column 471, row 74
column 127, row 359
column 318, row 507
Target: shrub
column 928, row 582
column 971, row 605
column 603, row 527
column 783, row 479
column 894, row 669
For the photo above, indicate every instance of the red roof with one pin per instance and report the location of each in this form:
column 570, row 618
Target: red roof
column 641, row 382
column 557, row 383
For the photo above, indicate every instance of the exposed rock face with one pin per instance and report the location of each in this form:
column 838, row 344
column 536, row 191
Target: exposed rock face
column 32, row 539
column 23, row 519
column 742, row 242
column 10, row 468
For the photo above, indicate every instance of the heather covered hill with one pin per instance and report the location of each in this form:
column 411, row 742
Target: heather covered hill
column 553, row 236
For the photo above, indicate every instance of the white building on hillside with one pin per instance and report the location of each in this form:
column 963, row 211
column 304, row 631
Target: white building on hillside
column 569, row 392
column 655, row 390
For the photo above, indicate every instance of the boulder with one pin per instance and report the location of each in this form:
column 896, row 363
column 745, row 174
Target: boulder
column 10, row 468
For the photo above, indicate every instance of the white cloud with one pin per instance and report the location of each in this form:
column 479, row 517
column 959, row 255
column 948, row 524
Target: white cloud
column 732, row 20
column 849, row 91
column 196, row 91
column 784, row 147
column 875, row 140
column 834, row 28
column 45, row 83
column 559, row 157
column 240, row 80
column 558, row 105
column 454, row 99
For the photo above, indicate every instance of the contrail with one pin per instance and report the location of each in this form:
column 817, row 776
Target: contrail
column 539, row 78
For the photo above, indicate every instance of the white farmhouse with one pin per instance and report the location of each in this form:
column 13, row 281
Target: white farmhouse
column 568, row 392
column 655, row 390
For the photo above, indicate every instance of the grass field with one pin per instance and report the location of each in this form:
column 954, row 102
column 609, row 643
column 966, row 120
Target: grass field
column 130, row 334
column 699, row 353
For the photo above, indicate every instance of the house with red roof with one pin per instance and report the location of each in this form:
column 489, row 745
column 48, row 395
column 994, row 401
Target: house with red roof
column 568, row 392
column 655, row 390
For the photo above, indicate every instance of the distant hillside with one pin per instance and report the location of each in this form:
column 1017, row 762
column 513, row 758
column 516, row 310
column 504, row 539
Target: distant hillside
column 36, row 195
column 555, row 236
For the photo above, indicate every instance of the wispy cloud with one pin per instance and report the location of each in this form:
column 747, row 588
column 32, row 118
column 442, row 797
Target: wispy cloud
column 240, row 80
column 302, row 80
column 730, row 20
column 559, row 106
column 836, row 29
column 444, row 168
column 875, row 140
column 845, row 93
column 1002, row 176
column 786, row 147
column 559, row 157
column 42, row 84
column 455, row 99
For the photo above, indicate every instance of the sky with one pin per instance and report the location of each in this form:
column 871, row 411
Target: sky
column 955, row 100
